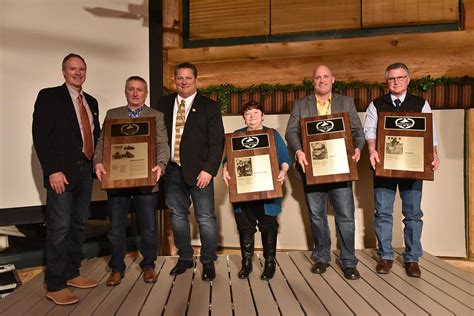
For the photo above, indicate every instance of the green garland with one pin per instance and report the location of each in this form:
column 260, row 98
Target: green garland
column 223, row 91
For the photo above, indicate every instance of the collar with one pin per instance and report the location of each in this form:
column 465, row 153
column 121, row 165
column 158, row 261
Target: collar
column 73, row 92
column 189, row 100
column 401, row 98
column 134, row 113
column 329, row 99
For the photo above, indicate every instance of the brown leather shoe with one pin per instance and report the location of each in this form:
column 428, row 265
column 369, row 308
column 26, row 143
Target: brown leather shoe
column 149, row 275
column 384, row 266
column 82, row 283
column 412, row 269
column 63, row 297
column 114, row 279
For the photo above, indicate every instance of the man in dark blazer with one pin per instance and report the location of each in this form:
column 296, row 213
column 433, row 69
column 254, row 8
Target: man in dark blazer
column 324, row 102
column 65, row 129
column 145, row 199
column 196, row 138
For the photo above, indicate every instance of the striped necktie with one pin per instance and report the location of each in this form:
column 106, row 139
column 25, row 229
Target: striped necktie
column 88, row 148
column 179, row 130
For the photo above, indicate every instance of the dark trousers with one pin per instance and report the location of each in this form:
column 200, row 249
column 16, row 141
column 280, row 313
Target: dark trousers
column 66, row 215
column 178, row 199
column 252, row 215
column 118, row 205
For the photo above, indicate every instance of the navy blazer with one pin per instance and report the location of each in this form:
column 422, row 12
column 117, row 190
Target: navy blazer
column 57, row 134
column 202, row 142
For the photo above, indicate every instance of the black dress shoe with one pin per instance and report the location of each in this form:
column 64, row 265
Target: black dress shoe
column 269, row 269
column 351, row 273
column 208, row 271
column 181, row 267
column 246, row 268
column 319, row 267
column 413, row 269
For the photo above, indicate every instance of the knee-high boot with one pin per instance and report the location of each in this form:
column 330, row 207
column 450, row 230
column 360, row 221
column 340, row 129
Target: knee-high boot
column 269, row 240
column 247, row 242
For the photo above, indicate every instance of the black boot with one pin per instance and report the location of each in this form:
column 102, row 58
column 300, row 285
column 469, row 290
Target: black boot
column 269, row 239
column 246, row 246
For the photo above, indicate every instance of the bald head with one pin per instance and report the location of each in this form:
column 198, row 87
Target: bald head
column 322, row 81
column 322, row 68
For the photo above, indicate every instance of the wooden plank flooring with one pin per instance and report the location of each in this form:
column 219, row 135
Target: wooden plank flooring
column 442, row 290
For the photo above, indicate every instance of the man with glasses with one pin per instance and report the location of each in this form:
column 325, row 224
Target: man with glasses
column 398, row 99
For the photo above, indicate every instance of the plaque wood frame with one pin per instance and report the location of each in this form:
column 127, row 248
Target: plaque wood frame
column 385, row 127
column 113, row 135
column 310, row 132
column 232, row 152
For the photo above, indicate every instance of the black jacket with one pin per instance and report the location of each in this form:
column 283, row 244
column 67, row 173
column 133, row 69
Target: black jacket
column 57, row 135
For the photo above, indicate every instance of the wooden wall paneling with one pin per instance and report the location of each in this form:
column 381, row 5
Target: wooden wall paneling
column 365, row 66
column 387, row 43
column 309, row 15
column 376, row 13
column 228, row 18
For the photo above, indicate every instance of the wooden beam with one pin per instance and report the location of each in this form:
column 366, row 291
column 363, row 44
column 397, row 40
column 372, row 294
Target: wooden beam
column 468, row 14
column 172, row 24
column 386, row 43
column 363, row 59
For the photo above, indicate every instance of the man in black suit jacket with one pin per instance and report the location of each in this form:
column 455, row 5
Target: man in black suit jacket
column 196, row 138
column 58, row 140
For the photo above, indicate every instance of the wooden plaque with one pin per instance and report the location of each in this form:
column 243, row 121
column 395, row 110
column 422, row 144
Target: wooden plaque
column 129, row 152
column 405, row 145
column 252, row 163
column 327, row 144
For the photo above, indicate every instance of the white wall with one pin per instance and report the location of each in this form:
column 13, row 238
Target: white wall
column 442, row 204
column 36, row 34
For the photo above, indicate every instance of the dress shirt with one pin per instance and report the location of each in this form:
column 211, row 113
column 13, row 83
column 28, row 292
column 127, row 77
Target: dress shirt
column 323, row 107
column 134, row 113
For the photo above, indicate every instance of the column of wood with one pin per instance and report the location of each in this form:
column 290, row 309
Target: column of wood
column 172, row 26
column 468, row 16
column 470, row 176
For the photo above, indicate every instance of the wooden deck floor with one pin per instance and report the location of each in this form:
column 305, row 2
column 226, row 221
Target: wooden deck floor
column 442, row 290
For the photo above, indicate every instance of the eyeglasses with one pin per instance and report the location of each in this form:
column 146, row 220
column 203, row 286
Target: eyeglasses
column 399, row 78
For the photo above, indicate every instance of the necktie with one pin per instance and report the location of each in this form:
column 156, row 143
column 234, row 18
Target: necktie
column 86, row 129
column 397, row 104
column 179, row 130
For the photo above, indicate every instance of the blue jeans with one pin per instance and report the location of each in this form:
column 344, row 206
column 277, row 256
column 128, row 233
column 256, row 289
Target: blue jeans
column 342, row 200
column 178, row 199
column 118, row 205
column 410, row 193
column 66, row 218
